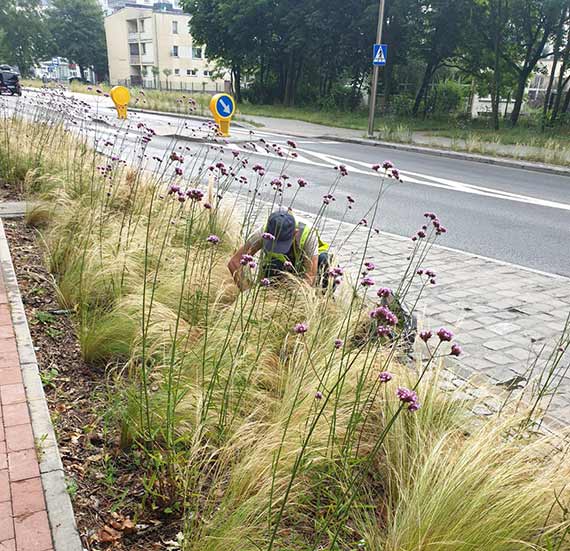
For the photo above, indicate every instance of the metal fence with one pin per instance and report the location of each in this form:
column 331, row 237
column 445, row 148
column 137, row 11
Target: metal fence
column 173, row 85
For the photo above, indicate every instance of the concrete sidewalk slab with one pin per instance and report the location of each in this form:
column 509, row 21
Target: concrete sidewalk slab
column 12, row 209
column 502, row 314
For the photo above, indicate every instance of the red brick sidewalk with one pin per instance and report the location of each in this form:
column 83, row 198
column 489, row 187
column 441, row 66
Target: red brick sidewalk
column 24, row 524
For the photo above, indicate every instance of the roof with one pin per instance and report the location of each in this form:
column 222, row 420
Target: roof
column 159, row 7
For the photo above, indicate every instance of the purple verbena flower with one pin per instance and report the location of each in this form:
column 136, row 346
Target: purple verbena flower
column 195, row 194
column 213, row 239
column 367, row 282
column 370, row 266
column 318, row 395
column 445, row 335
column 336, row 271
column 456, row 350
column 385, row 376
column 300, row 328
column 383, row 331
column 426, row 335
column 384, row 292
column 245, row 259
column 265, row 282
column 338, row 343
column 268, row 236
column 414, row 406
column 406, row 395
column 383, row 313
column 387, row 165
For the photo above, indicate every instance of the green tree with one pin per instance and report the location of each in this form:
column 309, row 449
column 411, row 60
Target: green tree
column 236, row 33
column 4, row 48
column 441, row 27
column 79, row 34
column 25, row 37
column 533, row 24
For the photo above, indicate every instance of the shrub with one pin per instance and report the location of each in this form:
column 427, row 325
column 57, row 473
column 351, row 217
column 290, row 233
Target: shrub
column 447, row 97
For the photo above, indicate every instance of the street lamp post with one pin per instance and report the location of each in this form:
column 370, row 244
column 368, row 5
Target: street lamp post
column 375, row 73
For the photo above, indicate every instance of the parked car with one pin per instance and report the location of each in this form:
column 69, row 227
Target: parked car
column 10, row 83
column 79, row 80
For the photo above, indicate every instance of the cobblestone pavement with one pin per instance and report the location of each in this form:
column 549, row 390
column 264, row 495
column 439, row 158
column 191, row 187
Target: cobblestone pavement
column 503, row 315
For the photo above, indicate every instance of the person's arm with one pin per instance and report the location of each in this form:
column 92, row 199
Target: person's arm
column 311, row 258
column 235, row 267
column 311, row 267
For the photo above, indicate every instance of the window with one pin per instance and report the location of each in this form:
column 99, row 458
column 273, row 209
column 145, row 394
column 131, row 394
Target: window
column 141, row 25
column 175, row 27
column 177, row 72
column 174, row 51
column 137, row 49
column 197, row 53
column 208, row 73
column 191, row 72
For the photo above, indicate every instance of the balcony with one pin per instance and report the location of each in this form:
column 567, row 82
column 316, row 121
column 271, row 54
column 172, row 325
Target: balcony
column 140, row 37
column 144, row 59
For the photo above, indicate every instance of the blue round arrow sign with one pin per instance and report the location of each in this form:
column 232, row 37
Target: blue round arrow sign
column 225, row 106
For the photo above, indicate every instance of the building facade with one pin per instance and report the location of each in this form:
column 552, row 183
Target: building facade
column 58, row 69
column 151, row 46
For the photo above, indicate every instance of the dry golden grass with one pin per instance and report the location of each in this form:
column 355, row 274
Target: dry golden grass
column 269, row 439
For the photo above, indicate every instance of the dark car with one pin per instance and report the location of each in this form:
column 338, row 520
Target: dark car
column 10, row 83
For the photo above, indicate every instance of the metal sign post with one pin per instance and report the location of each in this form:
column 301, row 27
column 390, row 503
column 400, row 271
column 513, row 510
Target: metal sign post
column 375, row 73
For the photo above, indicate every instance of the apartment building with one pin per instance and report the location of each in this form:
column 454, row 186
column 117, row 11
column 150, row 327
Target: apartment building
column 151, row 46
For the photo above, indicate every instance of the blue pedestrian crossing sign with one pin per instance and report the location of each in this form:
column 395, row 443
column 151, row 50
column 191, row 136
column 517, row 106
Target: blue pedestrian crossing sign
column 380, row 54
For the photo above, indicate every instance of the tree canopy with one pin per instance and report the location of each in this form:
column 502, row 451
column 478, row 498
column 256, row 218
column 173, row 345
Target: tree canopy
column 316, row 52
column 23, row 35
column 78, row 33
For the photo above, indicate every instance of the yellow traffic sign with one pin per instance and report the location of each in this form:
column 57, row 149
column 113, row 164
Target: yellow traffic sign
column 121, row 97
column 223, row 107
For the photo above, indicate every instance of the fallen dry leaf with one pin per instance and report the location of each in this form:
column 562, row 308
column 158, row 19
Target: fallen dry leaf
column 108, row 535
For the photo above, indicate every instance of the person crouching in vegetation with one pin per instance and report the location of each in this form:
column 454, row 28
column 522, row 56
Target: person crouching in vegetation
column 288, row 246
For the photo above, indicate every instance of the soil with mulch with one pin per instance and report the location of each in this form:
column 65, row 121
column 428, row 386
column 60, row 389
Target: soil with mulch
column 103, row 481
column 10, row 192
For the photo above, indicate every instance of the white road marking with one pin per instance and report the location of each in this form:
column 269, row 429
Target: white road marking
column 451, row 185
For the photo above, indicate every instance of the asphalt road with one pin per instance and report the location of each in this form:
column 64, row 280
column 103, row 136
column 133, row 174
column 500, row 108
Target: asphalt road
column 513, row 215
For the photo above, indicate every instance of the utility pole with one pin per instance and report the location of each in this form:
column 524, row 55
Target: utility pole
column 375, row 73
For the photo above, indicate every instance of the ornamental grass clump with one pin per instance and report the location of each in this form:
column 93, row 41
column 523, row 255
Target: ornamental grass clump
column 284, row 416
